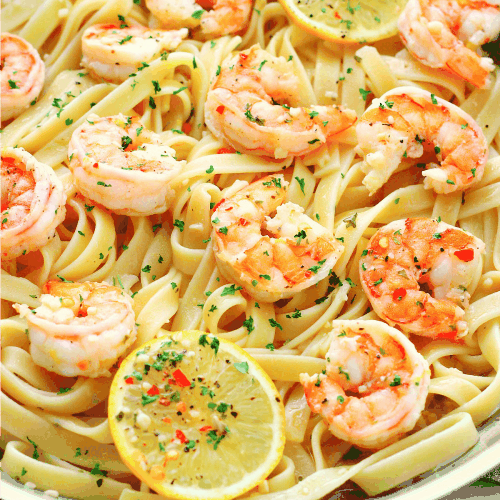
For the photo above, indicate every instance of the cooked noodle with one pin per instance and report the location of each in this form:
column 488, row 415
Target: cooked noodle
column 70, row 429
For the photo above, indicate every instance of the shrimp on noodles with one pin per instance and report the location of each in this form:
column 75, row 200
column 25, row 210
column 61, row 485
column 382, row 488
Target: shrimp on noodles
column 295, row 254
column 407, row 123
column 23, row 74
column 113, row 52
column 208, row 18
column 442, row 33
column 33, row 203
column 118, row 163
column 375, row 384
column 415, row 273
column 250, row 107
column 80, row 328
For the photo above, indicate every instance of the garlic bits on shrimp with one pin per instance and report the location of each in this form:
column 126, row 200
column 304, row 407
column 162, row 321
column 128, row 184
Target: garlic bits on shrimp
column 33, row 203
column 407, row 122
column 123, row 166
column 415, row 273
column 445, row 33
column 295, row 253
column 250, row 106
column 23, row 74
column 375, row 384
column 81, row 329
column 115, row 51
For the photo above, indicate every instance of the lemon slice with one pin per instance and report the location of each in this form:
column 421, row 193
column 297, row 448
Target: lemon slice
column 348, row 21
column 196, row 417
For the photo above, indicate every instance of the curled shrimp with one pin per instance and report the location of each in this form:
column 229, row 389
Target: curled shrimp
column 295, row 254
column 123, row 166
column 249, row 106
column 33, row 203
column 440, row 34
column 23, row 74
column 113, row 52
column 415, row 273
column 80, row 328
column 407, row 123
column 375, row 384
column 208, row 19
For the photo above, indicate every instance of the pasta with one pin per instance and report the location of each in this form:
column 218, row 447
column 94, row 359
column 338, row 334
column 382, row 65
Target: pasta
column 55, row 429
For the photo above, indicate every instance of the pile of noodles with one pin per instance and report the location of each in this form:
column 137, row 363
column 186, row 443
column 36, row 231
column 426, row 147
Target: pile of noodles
column 70, row 429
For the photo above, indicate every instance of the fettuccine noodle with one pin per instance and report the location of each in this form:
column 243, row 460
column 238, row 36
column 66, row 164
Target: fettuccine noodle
column 168, row 264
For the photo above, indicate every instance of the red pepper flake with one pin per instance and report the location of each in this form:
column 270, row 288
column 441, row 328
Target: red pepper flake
column 181, row 407
column 308, row 274
column 186, row 128
column 181, row 379
column 243, row 56
column 164, row 401
column 205, row 428
column 465, row 255
column 166, row 419
column 224, row 151
column 399, row 294
column 181, row 436
column 218, row 204
column 220, row 109
column 96, row 165
column 171, row 381
column 243, row 222
column 337, row 15
column 153, row 391
column 129, row 380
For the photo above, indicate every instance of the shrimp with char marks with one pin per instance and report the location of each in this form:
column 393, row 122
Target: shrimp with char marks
column 442, row 34
column 113, row 52
column 33, row 203
column 375, row 384
column 415, row 273
column 23, row 74
column 81, row 329
column 407, row 123
column 207, row 18
column 295, row 254
column 250, row 106
column 120, row 164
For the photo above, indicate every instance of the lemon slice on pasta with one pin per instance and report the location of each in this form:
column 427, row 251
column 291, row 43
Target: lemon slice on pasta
column 347, row 21
column 195, row 417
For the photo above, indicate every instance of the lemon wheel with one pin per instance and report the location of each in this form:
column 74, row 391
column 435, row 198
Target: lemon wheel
column 348, row 21
column 196, row 417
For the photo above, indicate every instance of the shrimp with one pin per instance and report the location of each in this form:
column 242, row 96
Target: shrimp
column 208, row 19
column 23, row 74
column 415, row 273
column 375, row 384
column 243, row 108
column 406, row 123
column 442, row 33
column 116, row 162
column 296, row 253
column 33, row 203
column 80, row 328
column 113, row 52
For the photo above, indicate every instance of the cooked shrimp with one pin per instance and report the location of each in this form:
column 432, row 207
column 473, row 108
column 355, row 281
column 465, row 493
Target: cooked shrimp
column 375, row 384
column 121, row 165
column 113, row 52
column 442, row 33
column 415, row 273
column 221, row 17
column 33, row 203
column 23, row 74
column 297, row 254
column 80, row 328
column 249, row 103
column 406, row 123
